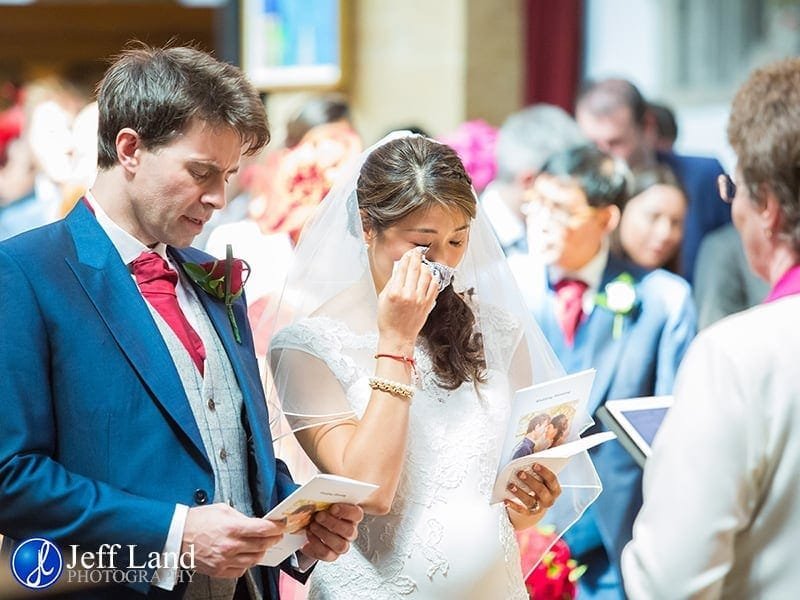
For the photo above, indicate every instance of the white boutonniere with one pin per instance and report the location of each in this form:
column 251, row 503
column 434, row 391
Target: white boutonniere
column 619, row 296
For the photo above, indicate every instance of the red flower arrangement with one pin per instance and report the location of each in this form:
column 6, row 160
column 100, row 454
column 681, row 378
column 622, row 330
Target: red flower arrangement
column 555, row 576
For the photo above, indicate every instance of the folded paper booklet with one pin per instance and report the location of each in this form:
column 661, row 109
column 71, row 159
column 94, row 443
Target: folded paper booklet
column 545, row 426
column 299, row 507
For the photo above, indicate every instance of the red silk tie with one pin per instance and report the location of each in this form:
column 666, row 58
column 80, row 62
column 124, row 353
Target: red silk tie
column 570, row 306
column 157, row 283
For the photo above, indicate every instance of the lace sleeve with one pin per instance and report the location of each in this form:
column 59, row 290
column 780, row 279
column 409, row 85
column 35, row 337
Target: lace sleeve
column 311, row 374
column 502, row 334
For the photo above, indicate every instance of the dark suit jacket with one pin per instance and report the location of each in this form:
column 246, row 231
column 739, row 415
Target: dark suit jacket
column 97, row 439
column 706, row 211
column 642, row 361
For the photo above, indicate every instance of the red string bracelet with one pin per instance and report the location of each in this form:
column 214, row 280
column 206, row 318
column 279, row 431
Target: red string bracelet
column 401, row 358
column 404, row 359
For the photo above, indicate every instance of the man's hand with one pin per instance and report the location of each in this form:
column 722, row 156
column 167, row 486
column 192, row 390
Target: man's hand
column 226, row 542
column 331, row 531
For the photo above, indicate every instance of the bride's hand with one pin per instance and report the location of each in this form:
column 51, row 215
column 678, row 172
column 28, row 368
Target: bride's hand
column 405, row 301
column 535, row 490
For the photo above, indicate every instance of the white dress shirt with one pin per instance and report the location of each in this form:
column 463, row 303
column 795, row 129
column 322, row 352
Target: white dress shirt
column 591, row 274
column 508, row 227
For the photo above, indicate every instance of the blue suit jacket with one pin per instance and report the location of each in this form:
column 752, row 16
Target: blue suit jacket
column 698, row 176
column 641, row 362
column 97, row 439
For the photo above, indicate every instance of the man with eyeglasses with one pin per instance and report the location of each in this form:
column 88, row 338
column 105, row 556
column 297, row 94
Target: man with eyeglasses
column 600, row 311
column 524, row 142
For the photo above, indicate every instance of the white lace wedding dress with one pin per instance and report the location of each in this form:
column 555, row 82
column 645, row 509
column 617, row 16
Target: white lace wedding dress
column 442, row 538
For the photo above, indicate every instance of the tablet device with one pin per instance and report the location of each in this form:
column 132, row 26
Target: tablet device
column 635, row 421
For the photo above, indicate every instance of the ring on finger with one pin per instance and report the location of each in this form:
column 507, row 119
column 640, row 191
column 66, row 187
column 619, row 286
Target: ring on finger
column 535, row 507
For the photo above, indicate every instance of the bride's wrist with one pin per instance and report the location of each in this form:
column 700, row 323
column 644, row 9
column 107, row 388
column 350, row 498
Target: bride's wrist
column 389, row 344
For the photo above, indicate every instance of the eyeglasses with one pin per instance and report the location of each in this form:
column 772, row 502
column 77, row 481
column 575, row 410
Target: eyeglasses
column 539, row 206
column 726, row 187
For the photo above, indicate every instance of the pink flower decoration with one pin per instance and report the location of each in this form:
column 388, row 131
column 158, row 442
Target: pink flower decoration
column 474, row 142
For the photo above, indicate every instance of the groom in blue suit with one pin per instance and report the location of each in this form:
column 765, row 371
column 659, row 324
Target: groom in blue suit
column 599, row 311
column 133, row 411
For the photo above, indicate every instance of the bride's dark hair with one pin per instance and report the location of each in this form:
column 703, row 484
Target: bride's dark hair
column 397, row 179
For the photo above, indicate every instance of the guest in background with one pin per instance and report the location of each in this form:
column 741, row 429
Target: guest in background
column 651, row 228
column 723, row 282
column 51, row 107
column 525, row 141
column 257, row 196
column 614, row 115
column 600, row 311
column 286, row 190
column 42, row 173
column 321, row 110
column 12, row 117
column 721, row 510
column 666, row 127
column 411, row 127
column 19, row 208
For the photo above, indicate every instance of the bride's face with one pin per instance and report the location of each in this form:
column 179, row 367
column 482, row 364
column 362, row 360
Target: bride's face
column 445, row 232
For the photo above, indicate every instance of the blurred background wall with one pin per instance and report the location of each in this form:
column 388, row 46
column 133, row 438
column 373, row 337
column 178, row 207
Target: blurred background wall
column 434, row 64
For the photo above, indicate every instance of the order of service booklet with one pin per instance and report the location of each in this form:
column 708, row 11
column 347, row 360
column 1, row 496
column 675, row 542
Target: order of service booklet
column 299, row 507
column 545, row 426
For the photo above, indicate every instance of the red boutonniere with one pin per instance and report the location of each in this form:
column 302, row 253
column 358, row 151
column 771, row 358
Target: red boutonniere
column 223, row 280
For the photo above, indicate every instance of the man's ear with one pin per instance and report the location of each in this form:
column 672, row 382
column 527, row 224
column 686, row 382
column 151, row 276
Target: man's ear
column 128, row 145
column 650, row 128
column 610, row 216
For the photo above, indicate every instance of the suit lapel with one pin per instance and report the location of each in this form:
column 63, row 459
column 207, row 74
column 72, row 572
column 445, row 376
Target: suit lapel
column 246, row 372
column 111, row 289
column 605, row 351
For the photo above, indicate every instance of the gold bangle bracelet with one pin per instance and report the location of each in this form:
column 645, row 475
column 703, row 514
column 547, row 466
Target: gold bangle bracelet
column 401, row 390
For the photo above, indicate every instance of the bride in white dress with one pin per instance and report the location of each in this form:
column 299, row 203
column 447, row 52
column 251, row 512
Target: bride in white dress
column 394, row 373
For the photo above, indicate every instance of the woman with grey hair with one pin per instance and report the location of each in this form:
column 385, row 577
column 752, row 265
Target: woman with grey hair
column 721, row 510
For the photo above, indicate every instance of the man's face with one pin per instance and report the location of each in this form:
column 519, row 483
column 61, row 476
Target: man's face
column 175, row 188
column 617, row 133
column 562, row 228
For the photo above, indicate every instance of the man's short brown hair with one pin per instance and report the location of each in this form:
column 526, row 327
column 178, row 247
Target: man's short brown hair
column 157, row 92
column 764, row 130
column 603, row 97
